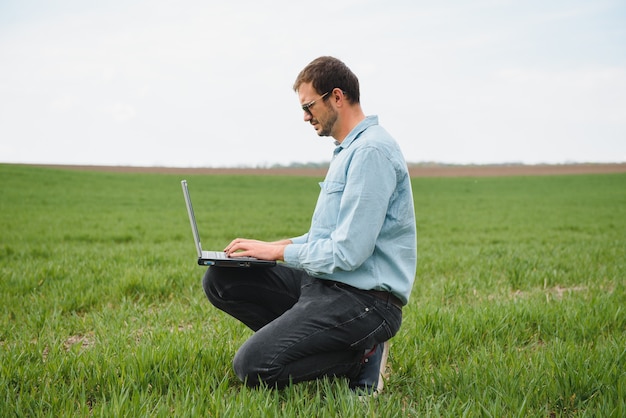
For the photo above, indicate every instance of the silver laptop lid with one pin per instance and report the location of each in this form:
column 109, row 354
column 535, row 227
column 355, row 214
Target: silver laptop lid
column 192, row 218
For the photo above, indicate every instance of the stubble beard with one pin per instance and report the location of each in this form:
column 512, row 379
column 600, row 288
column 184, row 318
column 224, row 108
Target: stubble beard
column 328, row 125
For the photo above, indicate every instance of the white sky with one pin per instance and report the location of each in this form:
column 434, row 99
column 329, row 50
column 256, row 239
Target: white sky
column 208, row 83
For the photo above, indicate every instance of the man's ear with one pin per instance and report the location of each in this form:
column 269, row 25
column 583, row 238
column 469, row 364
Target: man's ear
column 339, row 97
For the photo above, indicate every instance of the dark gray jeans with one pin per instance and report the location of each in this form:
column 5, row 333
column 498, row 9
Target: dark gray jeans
column 305, row 327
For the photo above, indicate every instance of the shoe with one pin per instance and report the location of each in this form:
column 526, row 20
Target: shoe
column 370, row 378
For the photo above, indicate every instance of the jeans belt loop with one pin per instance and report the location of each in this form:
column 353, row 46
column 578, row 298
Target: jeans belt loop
column 386, row 296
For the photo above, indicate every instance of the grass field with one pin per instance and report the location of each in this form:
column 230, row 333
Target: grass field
column 518, row 307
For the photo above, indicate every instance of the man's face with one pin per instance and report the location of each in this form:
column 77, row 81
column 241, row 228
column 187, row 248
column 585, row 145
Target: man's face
column 317, row 110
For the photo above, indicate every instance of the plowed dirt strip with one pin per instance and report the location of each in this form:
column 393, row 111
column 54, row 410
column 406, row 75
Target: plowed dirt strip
column 416, row 171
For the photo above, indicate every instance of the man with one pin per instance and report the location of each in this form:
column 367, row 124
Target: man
column 332, row 306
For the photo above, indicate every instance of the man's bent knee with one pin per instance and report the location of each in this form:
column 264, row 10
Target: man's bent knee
column 249, row 368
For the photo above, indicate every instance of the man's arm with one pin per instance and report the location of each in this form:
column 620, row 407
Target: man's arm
column 370, row 182
column 243, row 247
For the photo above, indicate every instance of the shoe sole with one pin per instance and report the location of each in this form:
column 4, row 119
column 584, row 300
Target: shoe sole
column 382, row 372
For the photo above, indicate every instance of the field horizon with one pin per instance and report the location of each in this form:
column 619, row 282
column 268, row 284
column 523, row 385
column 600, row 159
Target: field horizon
column 430, row 169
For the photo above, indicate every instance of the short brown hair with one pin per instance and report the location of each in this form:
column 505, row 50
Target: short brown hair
column 328, row 73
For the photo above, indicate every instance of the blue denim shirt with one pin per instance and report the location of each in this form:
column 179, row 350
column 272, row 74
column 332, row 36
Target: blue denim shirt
column 363, row 228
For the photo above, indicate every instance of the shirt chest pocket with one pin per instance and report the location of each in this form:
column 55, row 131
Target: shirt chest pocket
column 328, row 204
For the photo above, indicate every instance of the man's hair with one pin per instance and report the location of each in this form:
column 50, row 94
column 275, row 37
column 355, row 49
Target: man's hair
column 328, row 73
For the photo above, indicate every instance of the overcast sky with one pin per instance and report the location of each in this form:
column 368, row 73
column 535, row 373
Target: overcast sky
column 208, row 83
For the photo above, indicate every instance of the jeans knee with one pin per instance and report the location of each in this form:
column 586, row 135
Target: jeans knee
column 249, row 368
column 245, row 371
column 209, row 285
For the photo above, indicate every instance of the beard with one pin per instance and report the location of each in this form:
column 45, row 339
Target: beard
column 328, row 123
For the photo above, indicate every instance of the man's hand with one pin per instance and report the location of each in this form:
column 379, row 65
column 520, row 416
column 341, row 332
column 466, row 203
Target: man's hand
column 242, row 247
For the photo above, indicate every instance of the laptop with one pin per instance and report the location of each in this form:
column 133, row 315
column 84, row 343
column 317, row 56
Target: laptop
column 217, row 258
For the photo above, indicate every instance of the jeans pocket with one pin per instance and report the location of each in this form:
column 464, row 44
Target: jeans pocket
column 380, row 334
column 378, row 321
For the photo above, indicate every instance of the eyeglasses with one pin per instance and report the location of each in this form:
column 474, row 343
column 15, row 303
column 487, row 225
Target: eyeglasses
column 307, row 106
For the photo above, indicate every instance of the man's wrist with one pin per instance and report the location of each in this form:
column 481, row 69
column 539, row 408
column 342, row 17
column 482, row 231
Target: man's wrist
column 280, row 256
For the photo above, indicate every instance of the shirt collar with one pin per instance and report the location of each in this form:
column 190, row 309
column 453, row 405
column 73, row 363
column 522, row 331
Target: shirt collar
column 355, row 132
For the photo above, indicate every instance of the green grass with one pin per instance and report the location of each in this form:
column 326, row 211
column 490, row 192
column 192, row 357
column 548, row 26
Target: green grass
column 517, row 310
